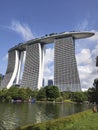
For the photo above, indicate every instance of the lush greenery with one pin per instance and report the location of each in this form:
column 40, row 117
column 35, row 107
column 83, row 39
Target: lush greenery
column 75, row 96
column 16, row 94
column 50, row 93
column 86, row 120
column 25, row 94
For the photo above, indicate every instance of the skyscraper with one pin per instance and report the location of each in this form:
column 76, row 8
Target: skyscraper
column 50, row 82
column 33, row 69
column 65, row 67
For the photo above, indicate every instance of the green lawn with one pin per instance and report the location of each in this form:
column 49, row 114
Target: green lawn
column 87, row 123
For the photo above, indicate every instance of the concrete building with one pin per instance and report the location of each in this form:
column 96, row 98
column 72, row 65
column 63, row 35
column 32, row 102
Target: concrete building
column 65, row 67
column 50, row 82
column 66, row 75
column 97, row 61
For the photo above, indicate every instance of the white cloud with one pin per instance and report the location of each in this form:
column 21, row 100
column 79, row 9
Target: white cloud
column 22, row 29
column 87, row 64
column 86, row 52
column 84, row 57
column 49, row 67
column 49, row 56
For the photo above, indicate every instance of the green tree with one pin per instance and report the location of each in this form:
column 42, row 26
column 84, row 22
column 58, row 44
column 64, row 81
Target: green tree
column 41, row 94
column 8, row 98
column 96, row 89
column 66, row 95
column 22, row 94
column 13, row 92
column 52, row 92
column 34, row 93
column 79, row 96
column 91, row 94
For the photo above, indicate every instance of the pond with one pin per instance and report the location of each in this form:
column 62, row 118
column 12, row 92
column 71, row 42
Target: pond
column 19, row 114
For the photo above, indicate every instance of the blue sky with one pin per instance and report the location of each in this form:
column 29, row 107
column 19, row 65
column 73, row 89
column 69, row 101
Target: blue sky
column 21, row 20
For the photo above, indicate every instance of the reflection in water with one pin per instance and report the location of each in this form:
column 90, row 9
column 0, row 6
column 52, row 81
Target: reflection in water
column 14, row 115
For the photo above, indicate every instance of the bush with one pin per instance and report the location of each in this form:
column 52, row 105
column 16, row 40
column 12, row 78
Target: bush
column 59, row 99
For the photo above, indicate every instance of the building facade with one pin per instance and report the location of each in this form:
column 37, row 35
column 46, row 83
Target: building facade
column 50, row 82
column 65, row 67
column 33, row 69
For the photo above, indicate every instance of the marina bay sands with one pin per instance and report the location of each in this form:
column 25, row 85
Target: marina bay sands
column 66, row 76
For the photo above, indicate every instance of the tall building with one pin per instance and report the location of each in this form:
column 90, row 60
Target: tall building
column 33, row 69
column 66, row 75
column 13, row 69
column 65, row 68
column 50, row 82
column 97, row 61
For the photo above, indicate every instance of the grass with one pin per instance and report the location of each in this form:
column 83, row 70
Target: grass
column 90, row 122
column 86, row 120
column 69, row 101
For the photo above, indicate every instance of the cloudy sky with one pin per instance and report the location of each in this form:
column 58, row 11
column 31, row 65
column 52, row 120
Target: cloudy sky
column 22, row 20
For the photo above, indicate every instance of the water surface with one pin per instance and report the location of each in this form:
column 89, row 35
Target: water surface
column 14, row 115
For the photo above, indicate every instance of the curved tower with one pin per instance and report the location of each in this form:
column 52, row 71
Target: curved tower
column 12, row 69
column 33, row 69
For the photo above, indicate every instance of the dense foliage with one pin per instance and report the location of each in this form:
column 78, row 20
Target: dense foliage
column 24, row 94
column 17, row 93
column 52, row 92
column 41, row 94
column 75, row 96
column 79, row 96
column 49, row 93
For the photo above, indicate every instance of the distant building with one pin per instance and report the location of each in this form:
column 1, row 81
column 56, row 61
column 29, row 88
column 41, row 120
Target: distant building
column 43, row 84
column 50, row 82
column 97, row 61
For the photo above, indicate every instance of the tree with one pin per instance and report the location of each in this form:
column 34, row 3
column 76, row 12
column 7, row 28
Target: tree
column 41, row 94
column 91, row 94
column 96, row 89
column 79, row 96
column 34, row 93
column 52, row 92
column 22, row 94
column 13, row 92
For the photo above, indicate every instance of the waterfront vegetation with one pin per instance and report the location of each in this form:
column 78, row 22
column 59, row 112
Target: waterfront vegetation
column 86, row 120
column 49, row 93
